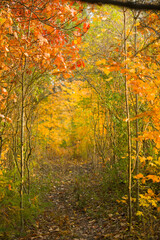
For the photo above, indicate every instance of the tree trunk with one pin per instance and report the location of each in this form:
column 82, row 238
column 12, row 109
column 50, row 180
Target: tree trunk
column 22, row 156
column 137, row 127
column 128, row 129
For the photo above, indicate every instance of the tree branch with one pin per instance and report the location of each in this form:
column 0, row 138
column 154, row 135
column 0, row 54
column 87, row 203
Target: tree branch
column 137, row 5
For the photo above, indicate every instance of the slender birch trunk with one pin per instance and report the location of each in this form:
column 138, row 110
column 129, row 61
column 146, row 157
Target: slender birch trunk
column 128, row 129
column 137, row 128
column 24, row 58
column 22, row 156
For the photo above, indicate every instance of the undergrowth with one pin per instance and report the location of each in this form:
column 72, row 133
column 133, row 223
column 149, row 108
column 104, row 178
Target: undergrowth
column 35, row 201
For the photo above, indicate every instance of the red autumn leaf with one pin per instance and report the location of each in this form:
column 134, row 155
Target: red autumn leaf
column 72, row 67
column 86, row 26
column 80, row 63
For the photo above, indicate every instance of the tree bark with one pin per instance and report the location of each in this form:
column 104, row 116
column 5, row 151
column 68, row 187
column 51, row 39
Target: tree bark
column 22, row 156
column 137, row 127
column 128, row 129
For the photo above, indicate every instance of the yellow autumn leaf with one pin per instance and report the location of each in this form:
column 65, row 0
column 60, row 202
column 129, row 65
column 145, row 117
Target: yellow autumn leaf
column 108, row 79
column 157, row 162
column 154, row 203
column 105, row 70
column 102, row 61
column 55, row 71
column 132, row 70
column 137, row 24
column 142, row 159
column 150, row 192
column 95, row 18
column 2, row 20
column 139, row 213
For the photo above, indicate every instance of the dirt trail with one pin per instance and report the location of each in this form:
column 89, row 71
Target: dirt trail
column 65, row 220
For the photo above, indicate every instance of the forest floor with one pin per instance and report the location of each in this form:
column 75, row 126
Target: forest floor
column 71, row 216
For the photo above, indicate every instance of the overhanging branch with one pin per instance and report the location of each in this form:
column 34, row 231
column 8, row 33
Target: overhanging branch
column 137, row 5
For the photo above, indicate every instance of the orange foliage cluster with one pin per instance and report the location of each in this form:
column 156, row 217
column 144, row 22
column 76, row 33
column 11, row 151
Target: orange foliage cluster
column 39, row 35
column 145, row 78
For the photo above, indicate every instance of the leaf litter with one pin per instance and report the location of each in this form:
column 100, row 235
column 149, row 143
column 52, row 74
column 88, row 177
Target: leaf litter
column 66, row 220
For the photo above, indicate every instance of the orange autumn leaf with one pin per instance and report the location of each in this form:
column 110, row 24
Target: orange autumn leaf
column 150, row 192
column 9, row 119
column 154, row 178
column 140, row 175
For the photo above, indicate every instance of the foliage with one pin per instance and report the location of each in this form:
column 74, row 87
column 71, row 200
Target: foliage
column 63, row 98
column 37, row 39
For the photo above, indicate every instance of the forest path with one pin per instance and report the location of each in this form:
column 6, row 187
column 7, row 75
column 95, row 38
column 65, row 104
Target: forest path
column 66, row 219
